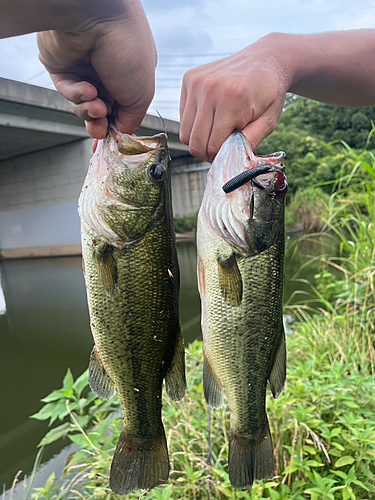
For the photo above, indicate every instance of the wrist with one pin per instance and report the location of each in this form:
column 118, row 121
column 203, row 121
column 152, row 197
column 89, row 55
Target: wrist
column 274, row 51
column 283, row 49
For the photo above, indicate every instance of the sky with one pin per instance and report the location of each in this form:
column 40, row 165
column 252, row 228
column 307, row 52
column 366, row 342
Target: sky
column 193, row 32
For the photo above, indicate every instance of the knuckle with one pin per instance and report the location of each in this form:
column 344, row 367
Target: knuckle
column 209, row 86
column 235, row 91
column 190, row 79
column 197, row 150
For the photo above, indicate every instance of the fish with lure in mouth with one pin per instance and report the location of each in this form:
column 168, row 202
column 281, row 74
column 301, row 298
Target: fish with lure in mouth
column 240, row 241
column 132, row 280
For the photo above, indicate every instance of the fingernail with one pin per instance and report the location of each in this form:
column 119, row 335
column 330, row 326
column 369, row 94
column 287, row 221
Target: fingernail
column 91, row 115
column 84, row 97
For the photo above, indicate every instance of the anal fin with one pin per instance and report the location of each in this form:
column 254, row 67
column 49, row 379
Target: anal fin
column 278, row 373
column 99, row 381
column 230, row 280
column 213, row 392
column 175, row 379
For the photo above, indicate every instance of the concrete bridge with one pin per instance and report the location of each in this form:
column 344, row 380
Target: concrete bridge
column 44, row 157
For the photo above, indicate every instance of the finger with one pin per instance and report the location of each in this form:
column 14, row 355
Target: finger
column 187, row 120
column 97, row 128
column 70, row 87
column 201, row 131
column 127, row 122
column 90, row 110
column 105, row 96
column 183, row 98
column 257, row 130
column 228, row 117
column 223, row 125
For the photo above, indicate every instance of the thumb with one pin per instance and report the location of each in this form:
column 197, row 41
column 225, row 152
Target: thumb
column 127, row 122
column 258, row 130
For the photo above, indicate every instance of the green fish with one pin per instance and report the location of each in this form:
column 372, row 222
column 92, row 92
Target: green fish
column 132, row 279
column 240, row 239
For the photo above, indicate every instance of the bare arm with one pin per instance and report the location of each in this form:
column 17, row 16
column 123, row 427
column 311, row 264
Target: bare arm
column 100, row 54
column 247, row 90
column 19, row 17
column 336, row 67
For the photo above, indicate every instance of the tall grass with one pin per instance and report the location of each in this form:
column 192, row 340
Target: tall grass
column 306, row 208
column 348, row 302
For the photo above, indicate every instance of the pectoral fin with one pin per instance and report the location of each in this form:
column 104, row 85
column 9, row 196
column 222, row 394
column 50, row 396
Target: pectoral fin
column 278, row 372
column 106, row 267
column 230, row 280
column 175, row 380
column 99, row 381
column 201, row 279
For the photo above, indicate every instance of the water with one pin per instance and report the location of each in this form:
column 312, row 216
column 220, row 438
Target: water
column 44, row 328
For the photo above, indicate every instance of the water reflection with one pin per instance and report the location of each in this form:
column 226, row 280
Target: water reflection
column 44, row 331
column 3, row 306
column 45, row 328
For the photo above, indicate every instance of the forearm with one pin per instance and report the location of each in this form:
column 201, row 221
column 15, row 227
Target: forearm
column 336, row 67
column 18, row 17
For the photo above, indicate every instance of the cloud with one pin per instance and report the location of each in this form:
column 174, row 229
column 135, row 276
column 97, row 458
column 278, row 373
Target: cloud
column 207, row 30
column 19, row 60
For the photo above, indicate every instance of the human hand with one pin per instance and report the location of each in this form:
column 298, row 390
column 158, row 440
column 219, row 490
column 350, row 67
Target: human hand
column 104, row 64
column 245, row 91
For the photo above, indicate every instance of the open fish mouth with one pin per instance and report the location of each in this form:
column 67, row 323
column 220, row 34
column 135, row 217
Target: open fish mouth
column 273, row 163
column 130, row 145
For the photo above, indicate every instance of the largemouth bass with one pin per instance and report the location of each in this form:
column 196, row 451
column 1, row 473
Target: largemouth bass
column 132, row 280
column 240, row 239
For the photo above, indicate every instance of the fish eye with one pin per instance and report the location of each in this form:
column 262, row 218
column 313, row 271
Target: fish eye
column 156, row 171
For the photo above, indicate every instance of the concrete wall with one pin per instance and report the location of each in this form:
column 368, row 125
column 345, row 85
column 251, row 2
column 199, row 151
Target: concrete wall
column 39, row 194
column 188, row 184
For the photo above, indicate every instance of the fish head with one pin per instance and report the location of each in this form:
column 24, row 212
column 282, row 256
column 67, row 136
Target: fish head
column 267, row 204
column 268, row 190
column 140, row 170
column 250, row 217
column 126, row 187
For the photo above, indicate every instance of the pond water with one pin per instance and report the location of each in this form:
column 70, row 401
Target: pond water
column 44, row 329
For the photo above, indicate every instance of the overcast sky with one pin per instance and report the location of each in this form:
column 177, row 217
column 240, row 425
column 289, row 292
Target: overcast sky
column 193, row 32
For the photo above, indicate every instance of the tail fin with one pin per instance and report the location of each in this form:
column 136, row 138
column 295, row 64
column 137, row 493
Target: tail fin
column 139, row 463
column 250, row 460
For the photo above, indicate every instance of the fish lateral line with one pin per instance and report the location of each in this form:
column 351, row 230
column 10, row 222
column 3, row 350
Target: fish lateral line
column 245, row 177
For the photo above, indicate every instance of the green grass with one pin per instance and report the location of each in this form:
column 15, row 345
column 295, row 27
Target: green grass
column 186, row 224
column 306, row 209
column 323, row 428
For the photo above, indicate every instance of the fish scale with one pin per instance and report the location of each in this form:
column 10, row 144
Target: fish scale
column 240, row 276
column 132, row 282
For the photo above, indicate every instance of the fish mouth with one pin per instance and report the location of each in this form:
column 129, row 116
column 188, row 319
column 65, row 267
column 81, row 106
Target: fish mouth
column 130, row 145
column 266, row 172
